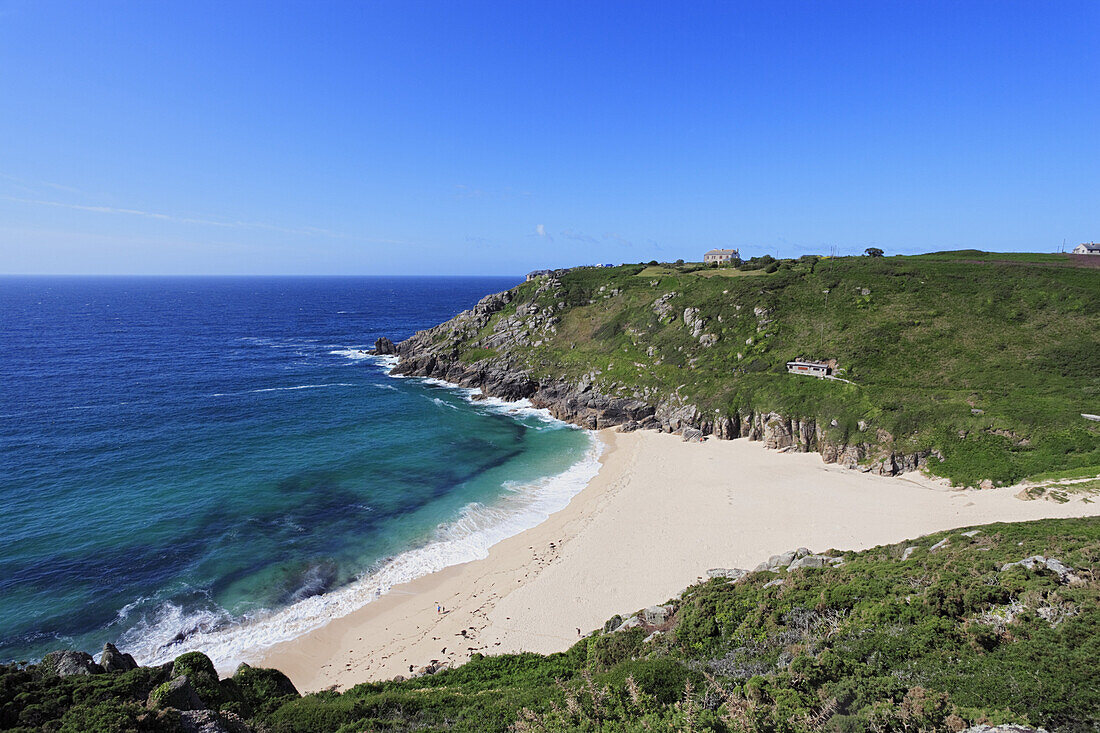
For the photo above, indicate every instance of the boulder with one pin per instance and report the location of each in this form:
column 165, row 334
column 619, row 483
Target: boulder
column 774, row 583
column 176, row 693
column 731, row 573
column 201, row 721
column 810, row 561
column 908, row 551
column 630, row 623
column 68, row 663
column 112, row 660
column 430, row 669
column 692, row 435
column 782, row 560
column 1038, row 562
column 384, row 346
column 657, row 615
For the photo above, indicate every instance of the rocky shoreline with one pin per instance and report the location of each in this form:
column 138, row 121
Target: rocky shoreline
column 435, row 353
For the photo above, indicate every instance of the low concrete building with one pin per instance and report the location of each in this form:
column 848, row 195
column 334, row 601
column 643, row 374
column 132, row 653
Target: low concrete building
column 1087, row 248
column 810, row 368
column 722, row 256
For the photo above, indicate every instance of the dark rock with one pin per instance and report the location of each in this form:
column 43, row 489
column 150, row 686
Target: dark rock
column 429, row 669
column 112, row 660
column 68, row 663
column 176, row 693
column 384, row 346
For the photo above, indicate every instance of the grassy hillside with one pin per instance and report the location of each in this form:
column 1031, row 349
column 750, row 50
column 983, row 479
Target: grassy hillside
column 989, row 358
column 929, row 635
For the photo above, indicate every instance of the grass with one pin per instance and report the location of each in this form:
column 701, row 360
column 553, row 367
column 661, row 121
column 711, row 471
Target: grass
column 663, row 270
column 939, row 641
column 982, row 357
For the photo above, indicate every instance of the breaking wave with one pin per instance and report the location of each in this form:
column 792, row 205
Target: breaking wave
column 169, row 631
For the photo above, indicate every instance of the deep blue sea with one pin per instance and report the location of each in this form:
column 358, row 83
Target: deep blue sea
column 212, row 463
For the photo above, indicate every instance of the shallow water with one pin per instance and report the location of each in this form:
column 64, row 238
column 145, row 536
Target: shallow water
column 212, row 463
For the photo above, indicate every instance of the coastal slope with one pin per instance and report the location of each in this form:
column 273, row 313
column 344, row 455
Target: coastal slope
column 977, row 626
column 980, row 368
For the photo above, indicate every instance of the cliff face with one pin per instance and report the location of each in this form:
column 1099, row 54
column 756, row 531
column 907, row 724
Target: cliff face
column 438, row 352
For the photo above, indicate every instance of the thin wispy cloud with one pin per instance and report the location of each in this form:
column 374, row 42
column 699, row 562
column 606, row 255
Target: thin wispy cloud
column 308, row 231
column 26, row 185
column 578, row 236
column 468, row 192
column 541, row 233
column 614, row 237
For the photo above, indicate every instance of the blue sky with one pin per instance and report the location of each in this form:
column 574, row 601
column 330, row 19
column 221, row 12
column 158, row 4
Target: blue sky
column 483, row 138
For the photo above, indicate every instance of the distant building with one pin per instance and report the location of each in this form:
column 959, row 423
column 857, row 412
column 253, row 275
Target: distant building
column 721, row 256
column 810, row 368
column 1087, row 248
column 536, row 274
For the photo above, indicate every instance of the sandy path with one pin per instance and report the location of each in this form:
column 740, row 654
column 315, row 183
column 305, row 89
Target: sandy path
column 658, row 515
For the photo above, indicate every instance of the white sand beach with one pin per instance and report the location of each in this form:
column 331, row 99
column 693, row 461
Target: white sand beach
column 656, row 517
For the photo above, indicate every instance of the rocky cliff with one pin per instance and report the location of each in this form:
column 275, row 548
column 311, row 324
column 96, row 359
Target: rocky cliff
column 492, row 326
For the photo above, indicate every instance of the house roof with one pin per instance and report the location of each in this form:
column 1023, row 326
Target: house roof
column 722, row 252
column 1092, row 246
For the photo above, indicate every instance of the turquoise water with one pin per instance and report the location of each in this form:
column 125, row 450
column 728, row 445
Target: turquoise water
column 214, row 464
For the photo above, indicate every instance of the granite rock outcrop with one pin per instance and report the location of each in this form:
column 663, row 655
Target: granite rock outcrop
column 443, row 352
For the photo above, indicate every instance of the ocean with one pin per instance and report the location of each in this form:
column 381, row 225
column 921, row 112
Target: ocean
column 215, row 464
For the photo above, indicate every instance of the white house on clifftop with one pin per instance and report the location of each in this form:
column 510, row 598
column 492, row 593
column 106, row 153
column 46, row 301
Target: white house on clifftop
column 721, row 256
column 1087, row 248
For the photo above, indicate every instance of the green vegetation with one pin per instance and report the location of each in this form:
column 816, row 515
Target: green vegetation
column 988, row 358
column 940, row 640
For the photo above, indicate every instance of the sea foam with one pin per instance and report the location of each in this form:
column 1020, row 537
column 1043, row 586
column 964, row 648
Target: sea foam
column 229, row 641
